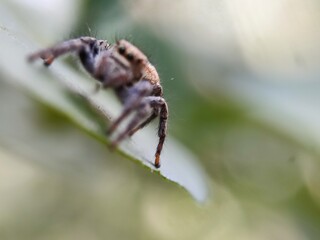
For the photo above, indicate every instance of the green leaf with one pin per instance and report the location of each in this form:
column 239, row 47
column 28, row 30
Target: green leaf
column 52, row 88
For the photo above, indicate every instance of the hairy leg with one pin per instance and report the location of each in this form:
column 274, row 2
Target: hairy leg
column 132, row 100
column 49, row 54
column 162, row 130
column 157, row 104
column 143, row 124
column 142, row 113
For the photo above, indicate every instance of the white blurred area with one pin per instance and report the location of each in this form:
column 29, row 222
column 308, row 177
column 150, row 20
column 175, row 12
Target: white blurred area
column 58, row 17
column 278, row 37
column 274, row 40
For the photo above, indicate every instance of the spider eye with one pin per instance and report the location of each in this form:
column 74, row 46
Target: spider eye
column 130, row 57
column 122, row 50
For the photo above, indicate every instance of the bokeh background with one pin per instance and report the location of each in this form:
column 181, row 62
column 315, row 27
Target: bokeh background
column 242, row 82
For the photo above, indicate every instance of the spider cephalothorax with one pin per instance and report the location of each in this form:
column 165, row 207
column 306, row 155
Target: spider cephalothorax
column 125, row 69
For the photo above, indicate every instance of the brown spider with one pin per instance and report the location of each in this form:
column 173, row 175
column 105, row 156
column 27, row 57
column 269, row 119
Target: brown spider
column 125, row 69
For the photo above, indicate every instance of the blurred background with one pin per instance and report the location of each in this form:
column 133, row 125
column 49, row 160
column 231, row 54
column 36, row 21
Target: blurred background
column 242, row 82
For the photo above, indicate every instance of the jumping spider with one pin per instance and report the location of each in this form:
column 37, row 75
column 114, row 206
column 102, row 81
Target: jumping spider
column 125, row 69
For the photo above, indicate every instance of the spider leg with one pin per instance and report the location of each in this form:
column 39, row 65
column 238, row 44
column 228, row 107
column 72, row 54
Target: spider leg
column 158, row 104
column 162, row 130
column 132, row 101
column 142, row 113
column 48, row 55
column 125, row 113
column 143, row 124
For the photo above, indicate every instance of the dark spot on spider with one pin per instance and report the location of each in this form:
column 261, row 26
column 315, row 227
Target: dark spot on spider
column 139, row 61
column 129, row 84
column 122, row 50
column 130, row 57
column 95, row 50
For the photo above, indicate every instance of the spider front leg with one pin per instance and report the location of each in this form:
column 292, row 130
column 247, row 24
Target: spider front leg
column 87, row 44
